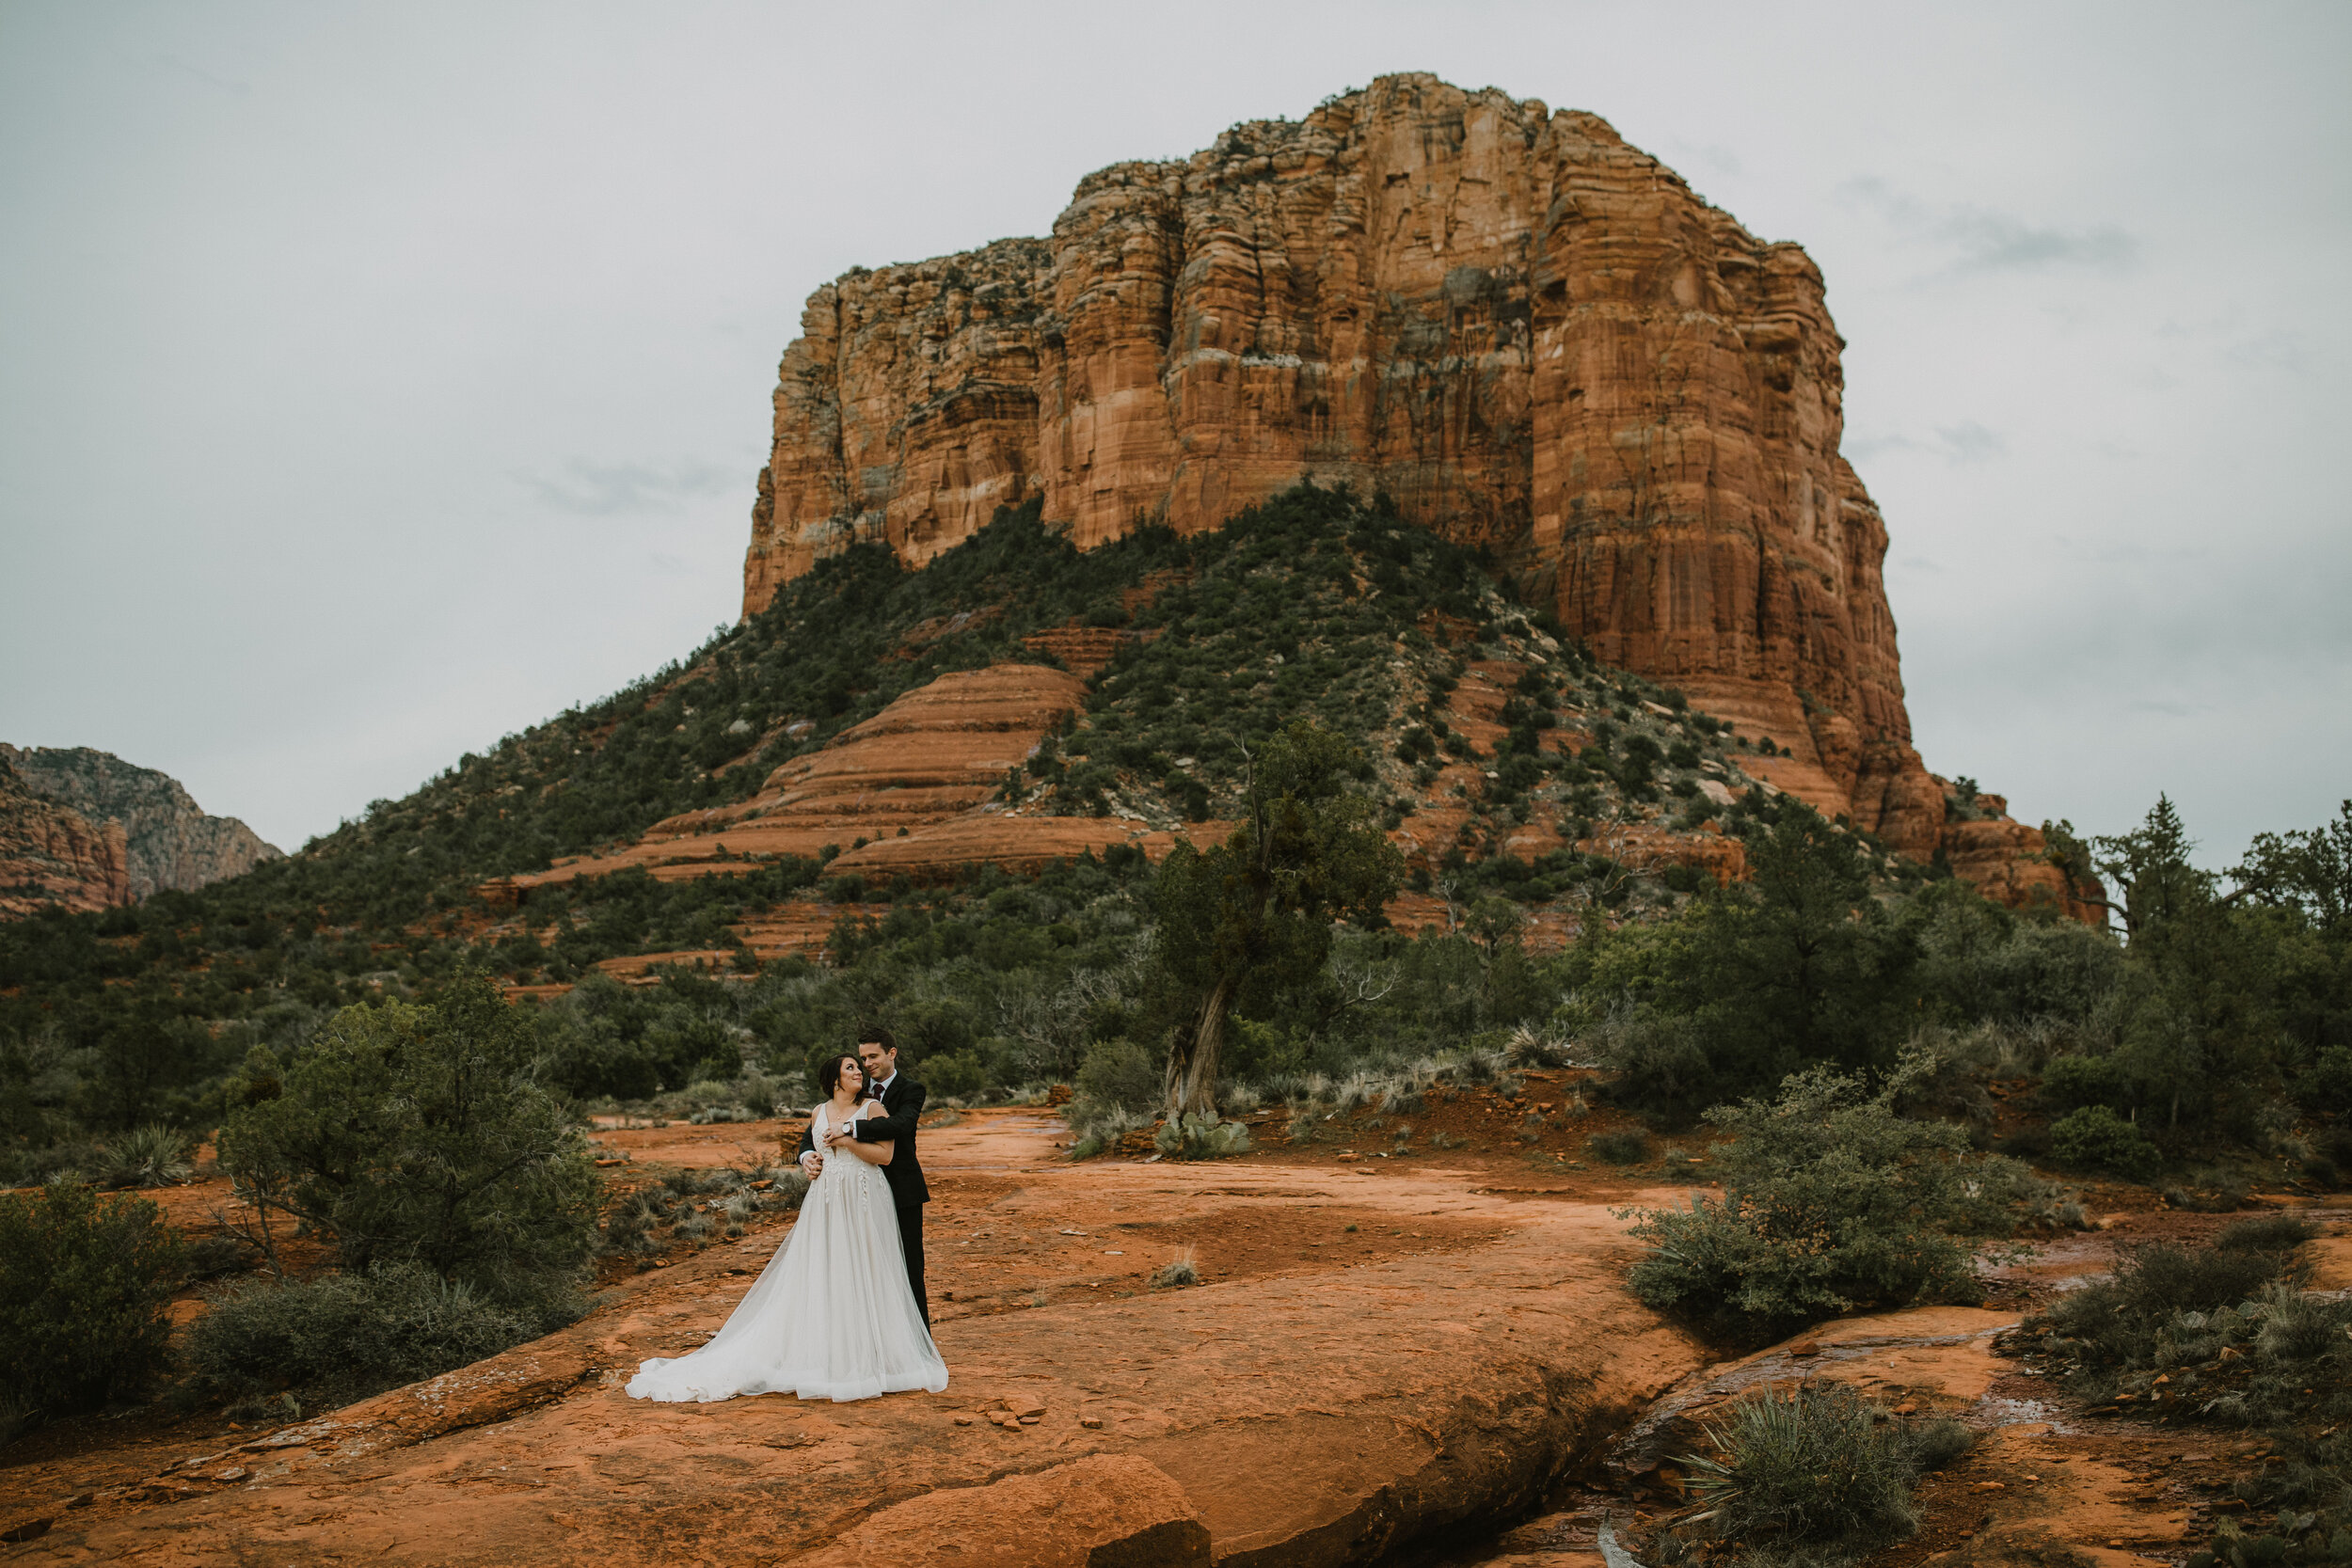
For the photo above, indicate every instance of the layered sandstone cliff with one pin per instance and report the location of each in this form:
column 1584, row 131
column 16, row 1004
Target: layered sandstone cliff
column 168, row 840
column 51, row 854
column 1530, row 334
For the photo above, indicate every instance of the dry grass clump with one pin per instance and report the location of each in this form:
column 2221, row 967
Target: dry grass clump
column 692, row 1203
column 1180, row 1270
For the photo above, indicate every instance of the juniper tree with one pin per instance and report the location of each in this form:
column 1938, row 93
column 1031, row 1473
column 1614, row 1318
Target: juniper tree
column 1255, row 913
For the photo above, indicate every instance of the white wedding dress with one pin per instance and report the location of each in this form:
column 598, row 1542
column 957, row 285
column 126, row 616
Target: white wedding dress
column 831, row 1317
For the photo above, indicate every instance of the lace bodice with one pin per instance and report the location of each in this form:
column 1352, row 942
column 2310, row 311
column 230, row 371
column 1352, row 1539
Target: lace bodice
column 820, row 1123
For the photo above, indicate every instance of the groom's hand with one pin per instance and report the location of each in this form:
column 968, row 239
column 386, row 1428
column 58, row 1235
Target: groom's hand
column 812, row 1163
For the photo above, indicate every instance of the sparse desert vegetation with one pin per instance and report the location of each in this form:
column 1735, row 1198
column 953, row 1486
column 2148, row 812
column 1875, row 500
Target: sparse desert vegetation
column 1864, row 1079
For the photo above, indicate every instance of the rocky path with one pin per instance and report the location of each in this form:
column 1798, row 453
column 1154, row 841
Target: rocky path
column 1376, row 1355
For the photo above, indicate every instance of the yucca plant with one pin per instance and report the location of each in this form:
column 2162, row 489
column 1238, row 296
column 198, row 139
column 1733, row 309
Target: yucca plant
column 149, row 1156
column 1809, row 1466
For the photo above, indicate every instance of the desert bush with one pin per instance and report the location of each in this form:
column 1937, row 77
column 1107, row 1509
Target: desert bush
column 1831, row 1202
column 1530, row 1047
column 1197, row 1136
column 2223, row 1334
column 2108, row 1323
column 2093, row 1137
column 1623, row 1145
column 1817, row 1466
column 627, row 1233
column 209, row 1256
column 1104, row 1130
column 2208, row 1192
column 84, row 1284
column 2265, row 1233
column 419, row 1134
column 956, row 1075
column 347, row 1335
column 1118, row 1077
column 1181, row 1271
column 149, row 1156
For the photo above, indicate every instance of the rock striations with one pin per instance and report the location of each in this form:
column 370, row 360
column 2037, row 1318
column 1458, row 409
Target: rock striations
column 159, row 837
column 1530, row 334
column 51, row 854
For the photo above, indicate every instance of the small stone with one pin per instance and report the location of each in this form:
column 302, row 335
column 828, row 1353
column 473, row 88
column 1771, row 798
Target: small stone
column 1808, row 1347
column 234, row 1472
column 1028, row 1408
column 1906, row 1409
column 963, row 1420
column 1092, row 1423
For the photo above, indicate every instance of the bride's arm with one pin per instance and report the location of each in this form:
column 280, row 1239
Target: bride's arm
column 877, row 1153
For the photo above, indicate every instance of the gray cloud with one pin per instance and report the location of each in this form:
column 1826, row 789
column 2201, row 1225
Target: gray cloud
column 514, row 294
column 1964, row 442
column 610, row 489
column 1977, row 240
column 1970, row 442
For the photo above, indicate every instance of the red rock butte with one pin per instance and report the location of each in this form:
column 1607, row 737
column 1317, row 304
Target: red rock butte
column 1531, row 335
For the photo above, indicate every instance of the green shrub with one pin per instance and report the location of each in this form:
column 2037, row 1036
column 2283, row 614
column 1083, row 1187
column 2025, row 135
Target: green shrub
column 84, row 1285
column 1117, row 1075
column 2265, row 1233
column 955, row 1075
column 1831, row 1202
column 2326, row 1085
column 1623, row 1146
column 1816, row 1467
column 2111, row 1322
column 2095, row 1138
column 419, row 1134
column 348, row 1335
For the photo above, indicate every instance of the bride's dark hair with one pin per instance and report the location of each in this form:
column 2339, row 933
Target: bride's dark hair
column 829, row 1076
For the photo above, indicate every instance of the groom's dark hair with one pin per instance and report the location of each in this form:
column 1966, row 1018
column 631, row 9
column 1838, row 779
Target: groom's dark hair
column 829, row 1076
column 879, row 1034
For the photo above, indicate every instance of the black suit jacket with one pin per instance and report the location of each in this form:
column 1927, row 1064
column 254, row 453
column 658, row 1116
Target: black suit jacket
column 902, row 1106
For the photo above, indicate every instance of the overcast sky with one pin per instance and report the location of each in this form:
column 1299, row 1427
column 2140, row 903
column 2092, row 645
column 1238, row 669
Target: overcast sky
column 379, row 379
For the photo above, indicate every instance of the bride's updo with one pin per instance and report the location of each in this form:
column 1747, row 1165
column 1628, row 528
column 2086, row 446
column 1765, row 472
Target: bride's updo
column 829, row 1076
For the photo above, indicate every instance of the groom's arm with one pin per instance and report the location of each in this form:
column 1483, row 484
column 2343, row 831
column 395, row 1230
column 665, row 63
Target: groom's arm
column 899, row 1124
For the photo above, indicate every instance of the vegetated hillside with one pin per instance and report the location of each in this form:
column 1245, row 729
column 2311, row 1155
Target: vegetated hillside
column 1314, row 604
column 1522, row 779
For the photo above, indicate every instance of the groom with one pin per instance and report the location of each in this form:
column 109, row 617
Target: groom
column 902, row 1105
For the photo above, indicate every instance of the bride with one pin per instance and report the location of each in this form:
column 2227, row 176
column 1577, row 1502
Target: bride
column 831, row 1317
